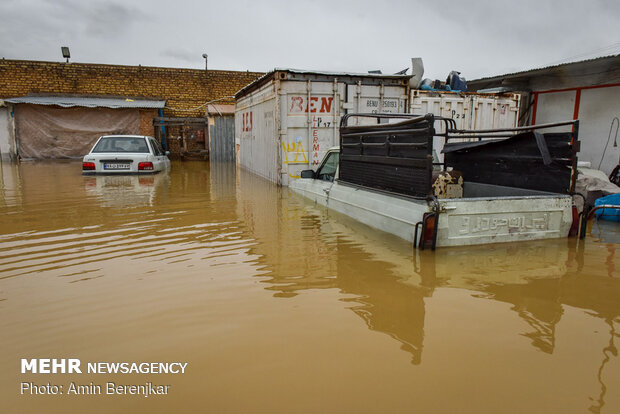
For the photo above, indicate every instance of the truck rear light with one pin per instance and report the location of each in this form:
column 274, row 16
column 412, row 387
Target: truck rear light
column 88, row 166
column 429, row 229
column 143, row 166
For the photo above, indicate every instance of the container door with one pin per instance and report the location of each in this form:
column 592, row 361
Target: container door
column 374, row 99
column 309, row 124
column 495, row 111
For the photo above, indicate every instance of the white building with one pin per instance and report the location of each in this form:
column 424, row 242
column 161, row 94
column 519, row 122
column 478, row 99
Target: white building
column 588, row 90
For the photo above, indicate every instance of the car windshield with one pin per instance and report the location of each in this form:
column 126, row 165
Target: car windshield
column 327, row 171
column 121, row 144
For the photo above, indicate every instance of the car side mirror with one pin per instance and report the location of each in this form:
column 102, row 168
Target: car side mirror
column 307, row 174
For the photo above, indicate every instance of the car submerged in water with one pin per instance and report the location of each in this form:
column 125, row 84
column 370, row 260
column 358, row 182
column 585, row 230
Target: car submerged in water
column 125, row 154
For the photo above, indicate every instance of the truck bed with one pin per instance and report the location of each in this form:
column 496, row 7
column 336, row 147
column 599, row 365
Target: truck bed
column 486, row 213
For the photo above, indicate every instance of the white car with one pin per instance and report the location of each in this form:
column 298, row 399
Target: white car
column 125, row 154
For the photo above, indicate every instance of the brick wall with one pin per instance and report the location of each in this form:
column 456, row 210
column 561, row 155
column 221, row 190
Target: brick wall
column 146, row 121
column 181, row 88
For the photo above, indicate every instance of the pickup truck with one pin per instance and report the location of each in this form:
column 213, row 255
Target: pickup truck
column 493, row 186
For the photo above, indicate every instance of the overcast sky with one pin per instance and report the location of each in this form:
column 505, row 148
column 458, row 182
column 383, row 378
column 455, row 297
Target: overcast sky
column 477, row 37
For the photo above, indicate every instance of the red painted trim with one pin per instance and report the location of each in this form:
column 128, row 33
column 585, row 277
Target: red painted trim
column 576, row 110
column 534, row 108
column 610, row 85
column 577, row 102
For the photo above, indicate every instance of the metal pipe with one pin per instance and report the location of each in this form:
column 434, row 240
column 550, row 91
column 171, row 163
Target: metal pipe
column 437, row 206
column 609, row 137
column 309, row 120
column 415, row 235
column 359, row 98
column 385, row 132
column 423, row 235
column 602, row 206
column 336, row 106
column 381, row 96
column 525, row 128
column 163, row 130
column 343, row 121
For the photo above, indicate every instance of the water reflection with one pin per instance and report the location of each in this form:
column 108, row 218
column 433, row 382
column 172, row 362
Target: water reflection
column 10, row 185
column 67, row 224
column 124, row 191
column 390, row 285
column 537, row 279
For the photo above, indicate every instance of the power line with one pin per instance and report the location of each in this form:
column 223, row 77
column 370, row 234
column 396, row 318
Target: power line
column 599, row 50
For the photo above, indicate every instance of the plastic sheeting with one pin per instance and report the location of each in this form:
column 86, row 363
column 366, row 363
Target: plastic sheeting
column 593, row 184
column 50, row 132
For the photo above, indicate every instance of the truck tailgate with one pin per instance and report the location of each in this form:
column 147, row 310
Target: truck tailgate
column 503, row 219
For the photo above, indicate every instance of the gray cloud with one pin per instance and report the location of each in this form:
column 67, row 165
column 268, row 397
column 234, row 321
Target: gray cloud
column 479, row 37
column 181, row 55
column 110, row 19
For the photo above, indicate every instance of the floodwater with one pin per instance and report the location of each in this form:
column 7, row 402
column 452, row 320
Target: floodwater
column 280, row 306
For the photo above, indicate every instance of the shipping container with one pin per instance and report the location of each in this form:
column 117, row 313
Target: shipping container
column 286, row 120
column 468, row 110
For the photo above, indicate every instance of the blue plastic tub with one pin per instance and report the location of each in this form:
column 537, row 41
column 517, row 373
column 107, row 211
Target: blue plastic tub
column 611, row 214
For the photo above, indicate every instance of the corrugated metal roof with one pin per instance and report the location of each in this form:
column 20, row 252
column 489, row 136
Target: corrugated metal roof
column 219, row 109
column 546, row 68
column 88, row 102
column 320, row 72
column 264, row 79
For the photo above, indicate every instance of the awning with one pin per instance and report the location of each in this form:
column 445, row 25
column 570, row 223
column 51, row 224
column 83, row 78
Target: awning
column 219, row 109
column 88, row 102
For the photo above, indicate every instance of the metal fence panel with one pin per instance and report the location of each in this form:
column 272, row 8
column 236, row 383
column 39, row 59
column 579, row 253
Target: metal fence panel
column 222, row 135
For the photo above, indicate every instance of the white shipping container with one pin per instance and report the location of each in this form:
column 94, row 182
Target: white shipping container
column 468, row 110
column 286, row 120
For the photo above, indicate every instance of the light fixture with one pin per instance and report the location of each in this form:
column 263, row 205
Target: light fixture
column 65, row 52
column 205, row 56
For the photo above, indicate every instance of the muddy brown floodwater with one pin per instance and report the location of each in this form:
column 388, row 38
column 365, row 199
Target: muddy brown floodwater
column 281, row 306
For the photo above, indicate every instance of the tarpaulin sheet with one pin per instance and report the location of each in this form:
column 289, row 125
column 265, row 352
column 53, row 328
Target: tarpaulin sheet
column 529, row 160
column 51, row 132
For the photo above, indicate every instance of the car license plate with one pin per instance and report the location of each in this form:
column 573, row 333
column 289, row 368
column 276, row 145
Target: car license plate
column 116, row 166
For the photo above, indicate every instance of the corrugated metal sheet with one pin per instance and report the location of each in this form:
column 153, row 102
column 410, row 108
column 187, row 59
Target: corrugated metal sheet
column 355, row 74
column 221, row 110
column 601, row 66
column 88, row 102
column 304, row 75
column 223, row 139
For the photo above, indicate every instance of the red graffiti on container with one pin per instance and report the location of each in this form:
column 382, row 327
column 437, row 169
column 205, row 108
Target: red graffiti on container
column 300, row 104
column 246, row 121
column 315, row 143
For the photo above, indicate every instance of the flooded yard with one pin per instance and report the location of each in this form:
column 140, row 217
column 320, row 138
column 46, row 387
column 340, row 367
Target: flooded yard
column 280, row 306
